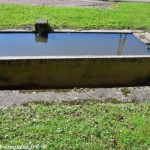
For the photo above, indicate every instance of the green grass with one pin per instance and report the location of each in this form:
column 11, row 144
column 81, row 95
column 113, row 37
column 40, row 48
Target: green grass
column 116, row 16
column 89, row 126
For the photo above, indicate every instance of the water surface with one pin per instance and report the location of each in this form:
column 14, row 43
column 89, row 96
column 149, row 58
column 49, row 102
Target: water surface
column 71, row 44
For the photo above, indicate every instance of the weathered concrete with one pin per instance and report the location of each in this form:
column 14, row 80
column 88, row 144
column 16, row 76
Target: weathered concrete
column 58, row 72
column 42, row 27
column 96, row 31
column 20, row 30
column 144, row 37
column 113, row 95
column 70, row 31
column 147, row 36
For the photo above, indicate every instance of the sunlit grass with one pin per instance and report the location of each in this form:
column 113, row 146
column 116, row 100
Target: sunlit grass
column 89, row 126
column 116, row 16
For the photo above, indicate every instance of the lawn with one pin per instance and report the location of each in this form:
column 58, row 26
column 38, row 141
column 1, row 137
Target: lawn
column 88, row 126
column 116, row 16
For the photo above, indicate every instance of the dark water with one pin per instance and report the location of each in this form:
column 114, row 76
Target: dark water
column 70, row 44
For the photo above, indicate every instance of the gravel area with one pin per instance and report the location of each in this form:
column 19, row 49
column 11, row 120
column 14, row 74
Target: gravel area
column 75, row 3
column 70, row 3
column 142, row 1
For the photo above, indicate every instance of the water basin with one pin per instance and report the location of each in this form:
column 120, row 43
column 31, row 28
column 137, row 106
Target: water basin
column 68, row 60
column 71, row 44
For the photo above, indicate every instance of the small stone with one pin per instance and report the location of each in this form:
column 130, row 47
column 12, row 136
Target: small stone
column 76, row 98
column 33, row 92
column 147, row 35
column 42, row 27
column 42, row 21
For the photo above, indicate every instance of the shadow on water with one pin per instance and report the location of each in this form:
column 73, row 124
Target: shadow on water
column 41, row 38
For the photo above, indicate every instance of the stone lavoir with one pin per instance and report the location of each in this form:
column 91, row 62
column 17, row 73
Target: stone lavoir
column 66, row 60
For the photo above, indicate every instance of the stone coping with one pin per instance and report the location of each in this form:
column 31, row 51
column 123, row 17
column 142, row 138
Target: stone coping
column 144, row 37
column 72, row 57
column 68, row 30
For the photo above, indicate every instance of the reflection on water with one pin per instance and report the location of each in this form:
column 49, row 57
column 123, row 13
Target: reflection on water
column 41, row 38
column 122, row 40
column 71, row 44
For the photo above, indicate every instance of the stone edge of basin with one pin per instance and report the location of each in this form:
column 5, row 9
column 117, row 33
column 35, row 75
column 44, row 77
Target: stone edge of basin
column 70, row 57
column 144, row 37
column 68, row 30
column 141, row 35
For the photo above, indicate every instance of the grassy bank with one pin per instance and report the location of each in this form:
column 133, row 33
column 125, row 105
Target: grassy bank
column 83, row 127
column 116, row 16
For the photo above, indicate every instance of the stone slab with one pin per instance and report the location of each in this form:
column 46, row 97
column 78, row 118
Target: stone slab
column 113, row 95
column 142, row 37
column 147, row 36
column 41, row 21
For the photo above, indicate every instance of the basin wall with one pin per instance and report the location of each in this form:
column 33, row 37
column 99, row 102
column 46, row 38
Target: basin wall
column 37, row 73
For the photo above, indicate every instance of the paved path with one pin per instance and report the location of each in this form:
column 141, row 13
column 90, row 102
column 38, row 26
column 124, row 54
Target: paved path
column 131, row 94
column 142, row 1
column 76, row 3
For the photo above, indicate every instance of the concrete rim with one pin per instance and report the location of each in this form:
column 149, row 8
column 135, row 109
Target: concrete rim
column 70, row 57
column 71, row 31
